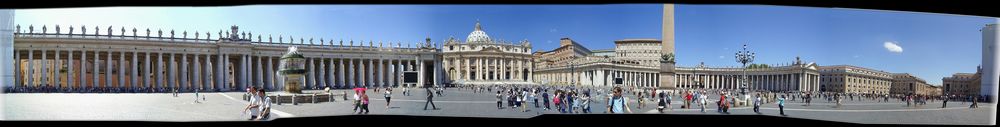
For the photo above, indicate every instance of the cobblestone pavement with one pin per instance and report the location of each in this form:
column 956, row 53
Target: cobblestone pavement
column 455, row 102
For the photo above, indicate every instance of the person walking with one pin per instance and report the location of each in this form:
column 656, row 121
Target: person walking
column 254, row 105
column 945, row 103
column 756, row 104
column 357, row 99
column 545, row 99
column 499, row 100
column 265, row 106
column 534, row 96
column 781, row 105
column 704, row 102
column 430, row 99
column 570, row 103
column 524, row 100
column 196, row 96
column 661, row 102
column 617, row 103
column 388, row 96
column 364, row 103
column 585, row 100
column 558, row 101
column 975, row 102
column 724, row 103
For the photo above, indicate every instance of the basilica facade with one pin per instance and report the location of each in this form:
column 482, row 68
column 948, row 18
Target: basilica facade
column 481, row 60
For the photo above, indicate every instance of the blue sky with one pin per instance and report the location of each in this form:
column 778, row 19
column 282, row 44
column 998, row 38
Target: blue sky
column 933, row 45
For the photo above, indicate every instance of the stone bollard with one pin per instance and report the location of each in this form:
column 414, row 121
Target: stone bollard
column 329, row 97
column 294, row 102
column 245, row 97
column 314, row 98
column 277, row 99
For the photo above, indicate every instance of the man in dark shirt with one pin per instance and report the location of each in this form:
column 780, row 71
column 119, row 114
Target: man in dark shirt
column 430, row 99
column 545, row 99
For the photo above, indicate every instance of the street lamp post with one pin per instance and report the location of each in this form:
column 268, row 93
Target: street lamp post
column 744, row 56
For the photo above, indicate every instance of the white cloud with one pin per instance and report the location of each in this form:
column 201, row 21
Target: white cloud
column 856, row 56
column 720, row 57
column 553, row 30
column 892, row 47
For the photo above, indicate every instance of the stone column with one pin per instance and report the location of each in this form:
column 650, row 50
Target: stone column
column 135, row 69
column 44, row 72
column 107, row 71
column 145, row 71
column 31, row 68
column 330, row 76
column 218, row 71
column 95, row 74
column 17, row 70
column 184, row 73
column 479, row 69
column 159, row 70
column 502, row 69
column 210, row 76
column 350, row 75
column 370, row 73
column 121, row 69
column 340, row 73
column 270, row 83
column 310, row 74
column 57, row 65
column 381, row 72
column 420, row 74
column 322, row 74
column 196, row 82
column 260, row 72
column 469, row 62
column 243, row 82
column 70, row 72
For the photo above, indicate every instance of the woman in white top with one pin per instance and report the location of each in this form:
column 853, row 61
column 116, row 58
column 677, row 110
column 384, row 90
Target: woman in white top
column 388, row 95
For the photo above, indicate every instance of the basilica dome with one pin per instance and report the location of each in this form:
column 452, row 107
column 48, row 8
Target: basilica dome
column 478, row 35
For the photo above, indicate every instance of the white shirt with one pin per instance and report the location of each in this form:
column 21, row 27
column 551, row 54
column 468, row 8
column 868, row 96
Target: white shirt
column 254, row 99
column 265, row 104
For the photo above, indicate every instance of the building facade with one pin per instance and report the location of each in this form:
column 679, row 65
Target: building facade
column 156, row 59
column 633, row 60
column 797, row 76
column 906, row 84
column 480, row 60
column 963, row 84
column 853, row 79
